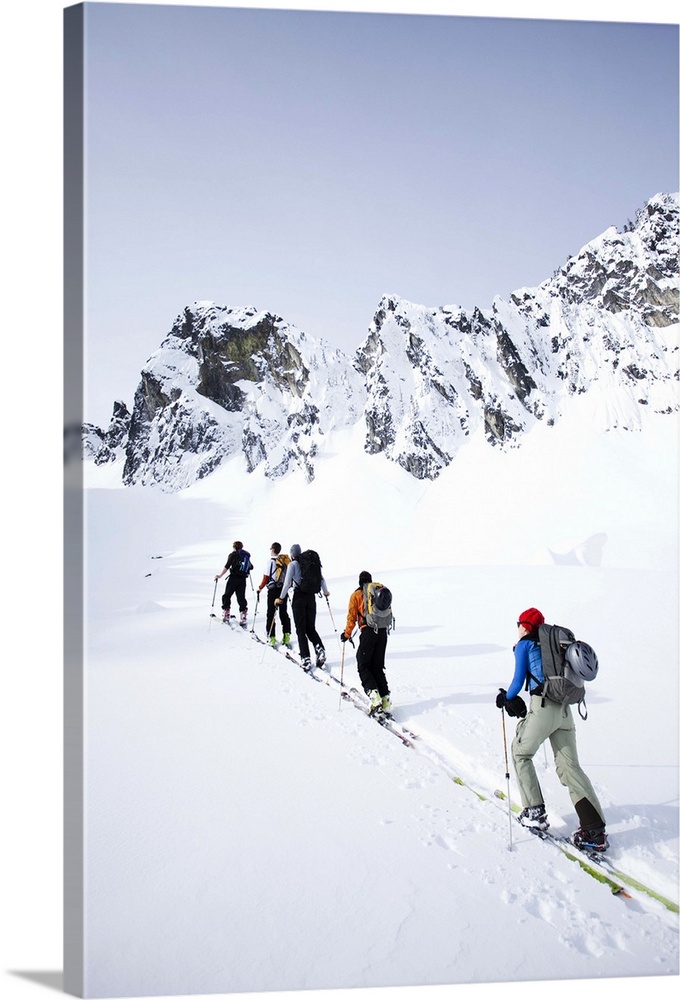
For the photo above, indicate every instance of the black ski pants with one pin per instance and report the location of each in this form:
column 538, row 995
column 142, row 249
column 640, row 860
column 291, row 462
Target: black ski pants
column 273, row 593
column 304, row 616
column 371, row 660
column 235, row 585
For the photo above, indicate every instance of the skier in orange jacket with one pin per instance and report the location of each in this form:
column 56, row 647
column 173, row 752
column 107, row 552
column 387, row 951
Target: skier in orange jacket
column 371, row 651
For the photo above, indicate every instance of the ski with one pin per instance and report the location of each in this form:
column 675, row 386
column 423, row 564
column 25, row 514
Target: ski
column 384, row 715
column 336, row 680
column 574, row 854
column 605, row 863
column 407, row 732
column 384, row 720
column 230, row 621
column 308, row 670
column 587, row 859
column 459, row 781
column 568, row 850
column 284, row 650
column 278, row 648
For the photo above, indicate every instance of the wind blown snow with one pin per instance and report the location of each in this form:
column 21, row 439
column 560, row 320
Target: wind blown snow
column 249, row 831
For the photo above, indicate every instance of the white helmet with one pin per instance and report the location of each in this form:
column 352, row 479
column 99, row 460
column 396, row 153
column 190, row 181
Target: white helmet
column 581, row 663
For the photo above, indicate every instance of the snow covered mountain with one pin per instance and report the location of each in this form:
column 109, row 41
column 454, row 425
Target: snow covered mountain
column 228, row 381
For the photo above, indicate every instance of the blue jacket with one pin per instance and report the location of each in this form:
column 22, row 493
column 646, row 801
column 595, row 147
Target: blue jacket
column 527, row 660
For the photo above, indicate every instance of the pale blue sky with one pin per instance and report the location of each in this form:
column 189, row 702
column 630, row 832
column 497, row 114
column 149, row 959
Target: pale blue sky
column 308, row 162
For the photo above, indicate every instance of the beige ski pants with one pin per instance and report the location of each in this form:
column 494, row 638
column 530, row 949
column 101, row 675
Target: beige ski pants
column 546, row 722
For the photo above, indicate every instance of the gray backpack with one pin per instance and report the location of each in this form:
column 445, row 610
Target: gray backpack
column 567, row 664
column 378, row 606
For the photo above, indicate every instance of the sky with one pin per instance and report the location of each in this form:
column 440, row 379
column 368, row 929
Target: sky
column 308, row 162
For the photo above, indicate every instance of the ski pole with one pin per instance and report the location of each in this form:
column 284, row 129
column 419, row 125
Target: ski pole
column 212, row 613
column 255, row 611
column 507, row 778
column 270, row 633
column 342, row 665
column 330, row 612
column 342, row 675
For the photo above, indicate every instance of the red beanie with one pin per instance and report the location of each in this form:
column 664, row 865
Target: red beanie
column 532, row 618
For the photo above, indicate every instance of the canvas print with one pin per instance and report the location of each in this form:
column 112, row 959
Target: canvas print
column 371, row 500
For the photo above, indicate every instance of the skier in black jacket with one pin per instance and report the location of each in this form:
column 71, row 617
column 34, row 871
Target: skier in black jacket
column 304, row 604
column 238, row 566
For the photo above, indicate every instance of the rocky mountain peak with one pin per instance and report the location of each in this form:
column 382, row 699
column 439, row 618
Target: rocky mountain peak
column 238, row 381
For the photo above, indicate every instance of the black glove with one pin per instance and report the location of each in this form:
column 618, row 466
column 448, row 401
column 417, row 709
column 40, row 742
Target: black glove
column 343, row 637
column 515, row 707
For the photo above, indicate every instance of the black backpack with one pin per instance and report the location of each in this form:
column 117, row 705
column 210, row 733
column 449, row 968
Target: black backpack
column 310, row 572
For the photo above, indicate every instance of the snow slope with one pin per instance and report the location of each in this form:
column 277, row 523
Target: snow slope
column 247, row 831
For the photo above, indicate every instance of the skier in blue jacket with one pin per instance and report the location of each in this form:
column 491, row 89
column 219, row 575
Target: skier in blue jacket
column 546, row 720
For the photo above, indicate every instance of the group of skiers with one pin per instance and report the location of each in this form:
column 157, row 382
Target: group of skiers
column 546, row 719
column 301, row 572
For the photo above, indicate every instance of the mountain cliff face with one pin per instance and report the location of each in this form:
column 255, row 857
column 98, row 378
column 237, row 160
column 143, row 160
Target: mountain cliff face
column 228, row 381
column 601, row 324
column 104, row 446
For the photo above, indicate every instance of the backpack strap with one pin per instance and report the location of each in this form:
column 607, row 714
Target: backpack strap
column 361, row 618
column 532, row 677
column 364, row 594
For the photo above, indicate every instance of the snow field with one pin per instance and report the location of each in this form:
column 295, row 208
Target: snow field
column 248, row 832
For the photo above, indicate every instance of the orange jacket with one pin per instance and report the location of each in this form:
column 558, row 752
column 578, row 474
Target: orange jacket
column 355, row 612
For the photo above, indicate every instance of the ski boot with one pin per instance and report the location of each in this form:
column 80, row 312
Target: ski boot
column 306, row 664
column 320, row 656
column 386, row 707
column 225, row 615
column 243, row 622
column 286, row 640
column 594, row 839
column 272, row 641
column 376, row 702
column 534, row 818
